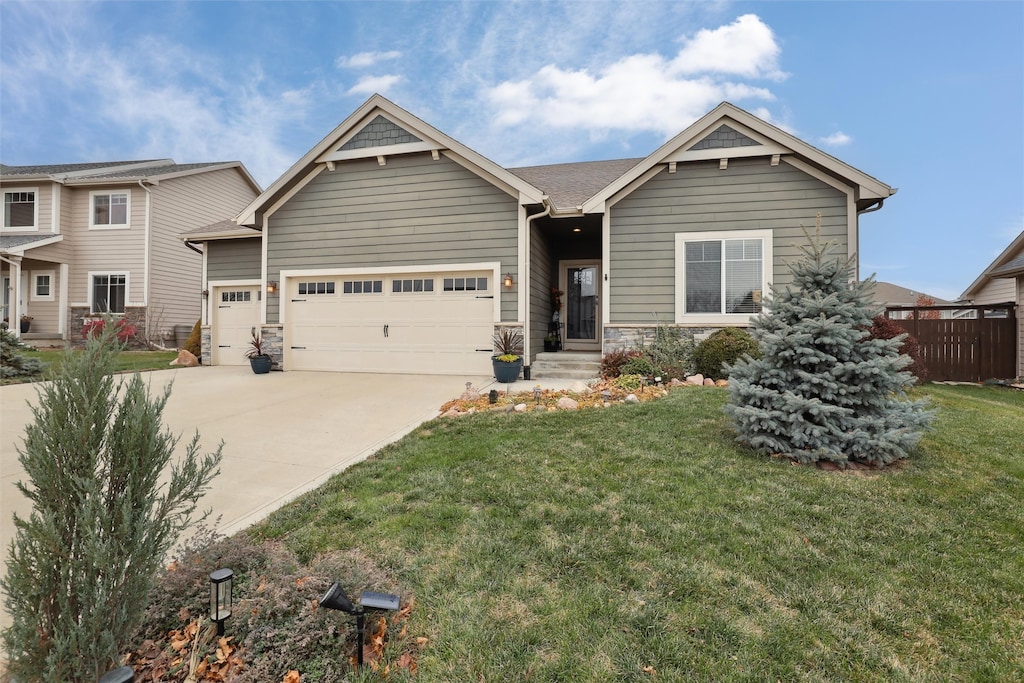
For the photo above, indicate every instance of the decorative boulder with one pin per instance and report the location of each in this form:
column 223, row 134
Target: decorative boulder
column 708, row 382
column 579, row 388
column 631, row 399
column 696, row 380
column 186, row 359
column 520, row 408
column 566, row 403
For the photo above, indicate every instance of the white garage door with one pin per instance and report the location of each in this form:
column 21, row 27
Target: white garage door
column 236, row 311
column 425, row 323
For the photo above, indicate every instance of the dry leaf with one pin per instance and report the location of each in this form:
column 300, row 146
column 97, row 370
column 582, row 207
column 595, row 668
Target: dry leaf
column 422, row 642
column 649, row 670
column 407, row 662
column 291, row 677
column 304, row 579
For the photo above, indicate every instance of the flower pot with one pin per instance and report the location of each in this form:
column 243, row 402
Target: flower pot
column 550, row 346
column 26, row 325
column 261, row 364
column 507, row 372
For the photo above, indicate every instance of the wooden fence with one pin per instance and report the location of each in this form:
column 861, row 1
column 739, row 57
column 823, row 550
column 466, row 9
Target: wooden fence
column 975, row 344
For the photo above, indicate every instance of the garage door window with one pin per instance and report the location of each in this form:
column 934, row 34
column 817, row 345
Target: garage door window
column 417, row 285
column 316, row 287
column 363, row 286
column 227, row 297
column 465, row 284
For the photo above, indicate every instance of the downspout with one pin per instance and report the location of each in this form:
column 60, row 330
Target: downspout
column 146, row 255
column 527, row 274
column 873, row 207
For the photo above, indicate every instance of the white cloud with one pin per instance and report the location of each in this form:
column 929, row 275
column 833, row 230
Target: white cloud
column 837, row 139
column 645, row 92
column 362, row 60
column 369, row 85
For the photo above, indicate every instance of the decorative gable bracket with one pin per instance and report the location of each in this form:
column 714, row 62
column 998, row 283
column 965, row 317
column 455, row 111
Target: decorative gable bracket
column 379, row 152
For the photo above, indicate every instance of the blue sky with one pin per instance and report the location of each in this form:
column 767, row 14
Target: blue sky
column 926, row 96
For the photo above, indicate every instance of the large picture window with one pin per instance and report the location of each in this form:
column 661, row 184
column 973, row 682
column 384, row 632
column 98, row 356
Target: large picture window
column 109, row 292
column 20, row 209
column 721, row 276
column 109, row 210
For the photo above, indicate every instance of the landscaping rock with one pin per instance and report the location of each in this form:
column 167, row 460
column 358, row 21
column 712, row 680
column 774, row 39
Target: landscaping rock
column 186, row 359
column 566, row 403
column 520, row 408
column 579, row 388
column 632, row 399
column 721, row 383
column 451, row 412
column 708, row 382
column 510, row 408
column 696, row 380
column 676, row 382
column 470, row 394
column 606, row 404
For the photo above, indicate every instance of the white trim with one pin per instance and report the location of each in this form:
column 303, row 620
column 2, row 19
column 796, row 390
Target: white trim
column 385, row 150
column 55, row 198
column 33, row 285
column 127, row 288
column 606, row 263
column 767, row 274
column 729, row 153
column 563, row 284
column 306, row 180
column 63, row 310
column 852, row 223
column 35, row 209
column 523, row 284
column 265, row 275
column 110, row 226
column 147, row 237
column 22, row 248
column 628, row 189
column 205, row 287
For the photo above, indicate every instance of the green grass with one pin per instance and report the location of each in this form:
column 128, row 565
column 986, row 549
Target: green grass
column 127, row 361
column 588, row 546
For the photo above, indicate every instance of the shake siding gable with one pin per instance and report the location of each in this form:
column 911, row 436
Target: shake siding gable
column 749, row 195
column 237, row 259
column 178, row 205
column 412, row 211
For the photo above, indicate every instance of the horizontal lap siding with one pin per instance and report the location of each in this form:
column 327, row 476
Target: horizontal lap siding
column 698, row 197
column 237, row 259
column 412, row 211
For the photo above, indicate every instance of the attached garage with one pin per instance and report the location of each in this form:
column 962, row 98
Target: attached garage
column 236, row 310
column 424, row 322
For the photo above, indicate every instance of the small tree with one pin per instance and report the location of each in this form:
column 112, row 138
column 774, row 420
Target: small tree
column 105, row 511
column 13, row 364
column 822, row 389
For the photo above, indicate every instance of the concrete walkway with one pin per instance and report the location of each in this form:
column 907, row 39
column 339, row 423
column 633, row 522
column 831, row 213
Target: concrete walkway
column 284, row 433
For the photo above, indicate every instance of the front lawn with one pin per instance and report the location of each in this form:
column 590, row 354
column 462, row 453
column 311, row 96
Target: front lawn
column 127, row 361
column 638, row 543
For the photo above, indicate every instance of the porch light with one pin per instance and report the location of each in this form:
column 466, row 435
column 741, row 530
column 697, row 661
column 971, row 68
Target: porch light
column 221, row 581
column 508, row 281
column 271, row 286
column 577, row 229
column 336, row 599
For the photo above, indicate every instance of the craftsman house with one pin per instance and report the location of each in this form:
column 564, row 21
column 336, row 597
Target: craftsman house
column 391, row 247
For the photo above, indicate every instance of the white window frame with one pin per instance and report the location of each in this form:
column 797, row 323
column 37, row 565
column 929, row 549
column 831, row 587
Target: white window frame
column 36, row 274
column 110, row 226
column 35, row 210
column 767, row 273
column 127, row 288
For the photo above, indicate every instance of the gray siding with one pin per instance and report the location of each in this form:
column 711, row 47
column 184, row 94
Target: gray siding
column 237, row 259
column 749, row 195
column 540, row 289
column 378, row 133
column 413, row 211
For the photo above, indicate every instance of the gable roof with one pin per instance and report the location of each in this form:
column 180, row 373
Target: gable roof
column 1010, row 263
column 569, row 185
column 893, row 295
column 744, row 135
column 221, row 230
column 150, row 170
column 424, row 137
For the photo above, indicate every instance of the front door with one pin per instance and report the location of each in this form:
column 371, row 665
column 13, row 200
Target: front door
column 581, row 316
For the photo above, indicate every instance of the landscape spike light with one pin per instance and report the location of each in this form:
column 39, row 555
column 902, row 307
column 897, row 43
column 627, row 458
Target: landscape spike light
column 335, row 598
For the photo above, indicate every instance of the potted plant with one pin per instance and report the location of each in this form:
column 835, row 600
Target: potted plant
column 551, row 342
column 26, row 323
column 259, row 359
column 507, row 361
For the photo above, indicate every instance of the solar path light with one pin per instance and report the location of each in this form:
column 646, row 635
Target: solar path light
column 220, row 597
column 336, row 599
column 122, row 674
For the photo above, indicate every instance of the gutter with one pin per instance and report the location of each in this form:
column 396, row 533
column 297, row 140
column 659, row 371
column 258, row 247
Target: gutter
column 873, row 207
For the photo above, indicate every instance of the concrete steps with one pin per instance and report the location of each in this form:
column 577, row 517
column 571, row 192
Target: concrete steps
column 566, row 365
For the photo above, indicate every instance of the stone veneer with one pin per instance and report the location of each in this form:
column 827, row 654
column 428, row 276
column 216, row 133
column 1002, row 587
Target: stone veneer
column 273, row 344
column 625, row 337
column 206, row 345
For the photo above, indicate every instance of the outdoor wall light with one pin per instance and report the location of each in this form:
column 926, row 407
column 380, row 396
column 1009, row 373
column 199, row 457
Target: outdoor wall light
column 122, row 674
column 271, row 286
column 577, row 229
column 336, row 599
column 221, row 581
column 508, row 281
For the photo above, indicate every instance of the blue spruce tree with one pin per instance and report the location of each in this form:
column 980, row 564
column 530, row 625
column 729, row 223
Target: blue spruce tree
column 823, row 390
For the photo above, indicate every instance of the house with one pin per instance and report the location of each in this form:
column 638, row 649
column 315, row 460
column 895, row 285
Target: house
column 391, row 247
column 79, row 240
column 1002, row 282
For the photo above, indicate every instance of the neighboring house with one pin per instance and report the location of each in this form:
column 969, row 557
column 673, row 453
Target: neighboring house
column 1001, row 283
column 79, row 240
column 391, row 247
column 888, row 294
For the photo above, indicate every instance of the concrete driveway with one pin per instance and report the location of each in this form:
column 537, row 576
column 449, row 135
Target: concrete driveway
column 284, row 433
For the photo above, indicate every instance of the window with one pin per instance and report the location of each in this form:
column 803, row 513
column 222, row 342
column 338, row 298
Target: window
column 109, row 210
column 415, row 285
column 722, row 274
column 20, row 209
column 109, row 292
column 465, row 284
column 363, row 286
column 42, row 286
column 316, row 288
column 235, row 296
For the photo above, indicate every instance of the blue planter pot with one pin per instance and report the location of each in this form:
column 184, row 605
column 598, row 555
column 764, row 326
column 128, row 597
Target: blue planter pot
column 507, row 372
column 261, row 364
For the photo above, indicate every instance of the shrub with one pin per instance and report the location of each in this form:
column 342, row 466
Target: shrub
column 612, row 362
column 107, row 504
column 124, row 329
column 194, row 343
column 629, row 382
column 726, row 346
column 885, row 328
column 12, row 363
column 671, row 353
column 638, row 365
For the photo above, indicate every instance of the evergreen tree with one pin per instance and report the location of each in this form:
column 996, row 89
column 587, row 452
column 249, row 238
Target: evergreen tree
column 105, row 511
column 12, row 361
column 824, row 390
